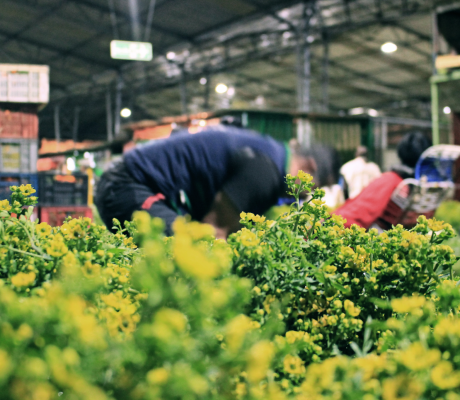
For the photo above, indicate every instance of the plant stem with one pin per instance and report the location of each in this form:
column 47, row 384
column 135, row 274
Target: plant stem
column 24, row 252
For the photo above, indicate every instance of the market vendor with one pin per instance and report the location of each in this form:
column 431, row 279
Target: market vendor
column 212, row 176
column 373, row 207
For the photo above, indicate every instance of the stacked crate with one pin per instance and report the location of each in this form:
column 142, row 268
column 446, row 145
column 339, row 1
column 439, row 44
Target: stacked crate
column 23, row 90
column 63, row 196
column 18, row 147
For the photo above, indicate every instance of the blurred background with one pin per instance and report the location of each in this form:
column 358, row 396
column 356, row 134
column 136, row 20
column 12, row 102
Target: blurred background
column 82, row 81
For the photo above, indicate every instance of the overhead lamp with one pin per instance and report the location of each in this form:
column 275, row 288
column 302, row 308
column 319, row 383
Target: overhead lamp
column 203, row 81
column 221, row 88
column 446, row 110
column 70, row 164
column 170, row 55
column 388, row 47
column 125, row 112
column 372, row 113
column 356, row 111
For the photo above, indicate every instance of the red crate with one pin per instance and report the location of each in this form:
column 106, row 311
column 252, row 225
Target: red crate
column 18, row 124
column 55, row 216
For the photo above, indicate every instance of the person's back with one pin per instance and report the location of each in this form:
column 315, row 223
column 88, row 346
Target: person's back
column 196, row 165
column 359, row 173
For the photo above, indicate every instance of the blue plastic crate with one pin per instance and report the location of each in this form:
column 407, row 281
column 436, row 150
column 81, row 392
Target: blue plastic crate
column 7, row 180
column 435, row 169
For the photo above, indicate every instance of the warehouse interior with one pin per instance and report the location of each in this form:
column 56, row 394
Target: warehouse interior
column 361, row 66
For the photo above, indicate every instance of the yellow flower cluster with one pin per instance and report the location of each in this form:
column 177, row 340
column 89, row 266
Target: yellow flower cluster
column 22, row 279
column 57, row 247
column 5, row 205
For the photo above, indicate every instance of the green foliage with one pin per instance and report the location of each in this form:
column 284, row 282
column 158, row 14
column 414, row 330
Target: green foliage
column 327, row 281
column 296, row 308
column 449, row 211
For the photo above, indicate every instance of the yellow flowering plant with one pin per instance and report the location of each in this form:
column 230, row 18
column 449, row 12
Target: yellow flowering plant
column 326, row 281
column 295, row 308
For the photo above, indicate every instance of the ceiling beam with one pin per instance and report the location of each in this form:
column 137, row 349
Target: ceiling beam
column 127, row 19
column 57, row 50
column 32, row 24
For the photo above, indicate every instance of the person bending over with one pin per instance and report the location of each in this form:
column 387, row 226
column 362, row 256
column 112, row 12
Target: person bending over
column 212, row 176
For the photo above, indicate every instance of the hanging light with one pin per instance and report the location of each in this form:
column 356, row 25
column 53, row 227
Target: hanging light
column 125, row 112
column 388, row 47
column 372, row 113
column 221, row 88
column 70, row 163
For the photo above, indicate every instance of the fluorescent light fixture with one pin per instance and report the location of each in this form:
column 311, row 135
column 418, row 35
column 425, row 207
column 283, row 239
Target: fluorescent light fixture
column 356, row 111
column 446, row 110
column 70, row 163
column 203, row 81
column 388, row 47
column 170, row 55
column 372, row 113
column 125, row 112
column 221, row 88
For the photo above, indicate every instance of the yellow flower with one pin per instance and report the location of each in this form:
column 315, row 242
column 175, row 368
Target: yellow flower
column 351, row 309
column 27, row 190
column 304, row 177
column 236, row 330
column 444, row 377
column 293, row 365
column 36, row 368
column 293, row 336
column 194, row 230
column 43, row 229
column 317, row 202
column 371, row 364
column 22, row 279
column 25, row 332
column 447, row 328
column 157, row 376
column 168, row 322
column 417, row 357
column 5, row 205
column 5, row 365
column 57, row 247
column 435, row 225
column 347, row 251
column 410, row 304
column 240, row 390
column 401, row 387
column 260, row 356
column 248, row 238
column 192, row 260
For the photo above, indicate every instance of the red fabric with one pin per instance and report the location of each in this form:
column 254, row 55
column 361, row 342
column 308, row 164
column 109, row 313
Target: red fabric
column 149, row 201
column 371, row 203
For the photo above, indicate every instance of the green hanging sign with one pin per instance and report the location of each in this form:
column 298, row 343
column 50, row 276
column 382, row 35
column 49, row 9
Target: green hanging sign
column 135, row 51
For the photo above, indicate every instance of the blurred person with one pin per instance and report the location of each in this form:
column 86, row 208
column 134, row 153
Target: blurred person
column 212, row 176
column 358, row 173
column 333, row 196
column 373, row 207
